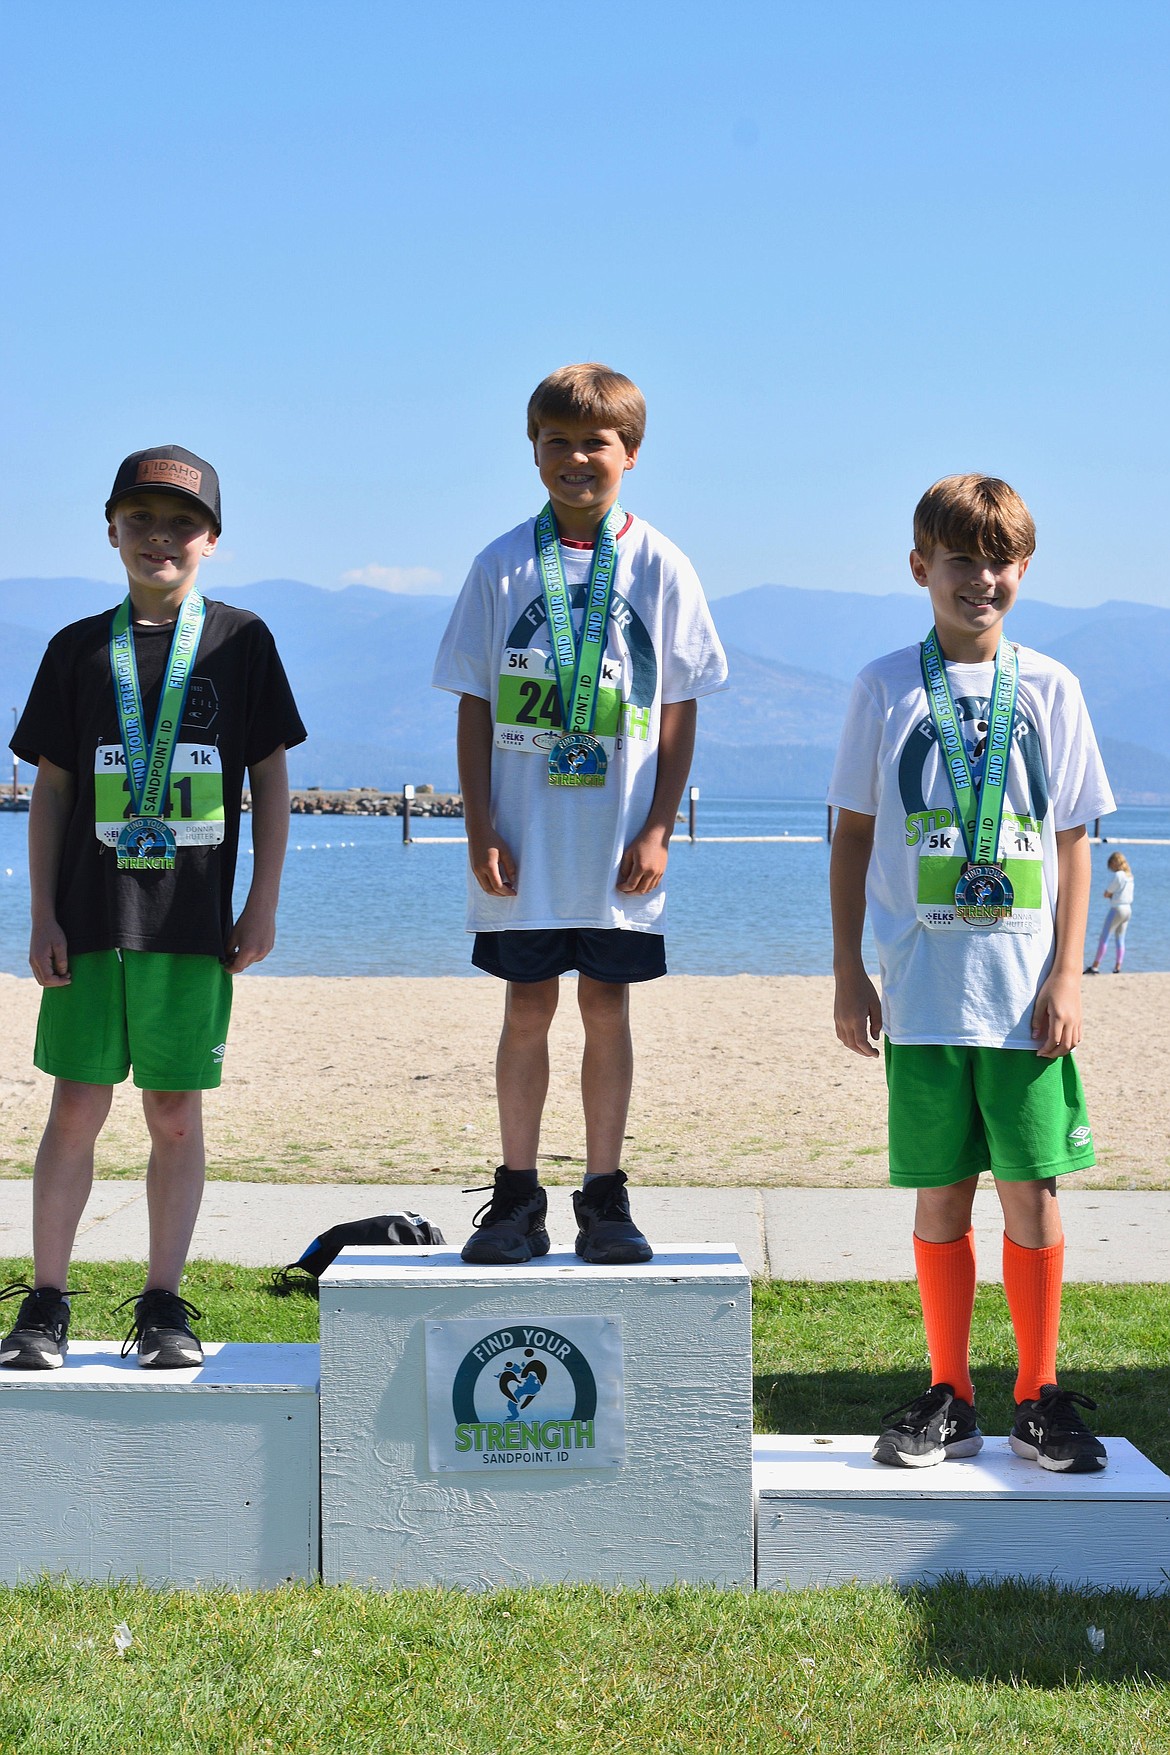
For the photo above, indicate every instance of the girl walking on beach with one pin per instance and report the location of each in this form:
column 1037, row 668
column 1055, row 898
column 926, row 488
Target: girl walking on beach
column 1120, row 894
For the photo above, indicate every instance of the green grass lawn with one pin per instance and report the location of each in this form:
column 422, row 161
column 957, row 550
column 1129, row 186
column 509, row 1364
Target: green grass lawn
column 843, row 1671
column 855, row 1671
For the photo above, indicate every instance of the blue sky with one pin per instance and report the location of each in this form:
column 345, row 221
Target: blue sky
column 844, row 248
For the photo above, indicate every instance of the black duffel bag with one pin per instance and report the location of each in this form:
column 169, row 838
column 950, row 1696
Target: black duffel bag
column 386, row 1228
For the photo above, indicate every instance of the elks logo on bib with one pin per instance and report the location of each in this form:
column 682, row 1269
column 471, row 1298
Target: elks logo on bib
column 525, row 1394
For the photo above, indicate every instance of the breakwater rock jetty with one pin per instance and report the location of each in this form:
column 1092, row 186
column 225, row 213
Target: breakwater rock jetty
column 367, row 801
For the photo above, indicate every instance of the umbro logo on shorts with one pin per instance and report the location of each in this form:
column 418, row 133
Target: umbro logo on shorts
column 1080, row 1136
column 218, row 1053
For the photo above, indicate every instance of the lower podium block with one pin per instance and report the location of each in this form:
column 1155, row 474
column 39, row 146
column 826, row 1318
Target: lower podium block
column 484, row 1426
column 195, row 1477
column 827, row 1514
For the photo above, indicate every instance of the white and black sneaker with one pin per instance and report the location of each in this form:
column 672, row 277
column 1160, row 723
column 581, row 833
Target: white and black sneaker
column 928, row 1430
column 162, row 1331
column 1049, row 1431
column 37, row 1341
column 510, row 1228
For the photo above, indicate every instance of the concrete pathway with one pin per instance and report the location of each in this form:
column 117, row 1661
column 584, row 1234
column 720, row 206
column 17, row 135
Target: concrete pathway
column 788, row 1233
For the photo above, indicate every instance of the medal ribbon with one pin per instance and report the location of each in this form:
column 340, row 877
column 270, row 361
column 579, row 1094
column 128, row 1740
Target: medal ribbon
column 149, row 771
column 980, row 810
column 578, row 668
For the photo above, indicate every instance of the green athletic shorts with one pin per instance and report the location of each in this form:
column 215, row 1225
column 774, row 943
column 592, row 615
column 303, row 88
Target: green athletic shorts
column 955, row 1112
column 163, row 1014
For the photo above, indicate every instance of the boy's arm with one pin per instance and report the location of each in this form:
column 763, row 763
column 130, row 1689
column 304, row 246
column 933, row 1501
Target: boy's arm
column 254, row 933
column 857, row 1009
column 1056, row 1016
column 644, row 860
column 490, row 856
column 50, row 808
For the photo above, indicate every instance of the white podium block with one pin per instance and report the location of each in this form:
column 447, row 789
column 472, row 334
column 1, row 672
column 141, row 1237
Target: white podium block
column 827, row 1514
column 483, row 1426
column 203, row 1476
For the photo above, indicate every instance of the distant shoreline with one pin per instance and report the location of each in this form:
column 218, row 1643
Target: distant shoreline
column 368, row 801
column 322, row 801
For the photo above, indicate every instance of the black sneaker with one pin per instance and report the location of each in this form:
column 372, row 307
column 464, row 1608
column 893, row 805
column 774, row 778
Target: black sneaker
column 1051, row 1432
column 510, row 1228
column 937, row 1425
column 607, row 1235
column 162, row 1331
column 37, row 1341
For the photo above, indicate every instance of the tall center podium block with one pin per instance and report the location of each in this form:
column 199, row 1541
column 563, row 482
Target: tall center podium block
column 178, row 1478
column 551, row 1422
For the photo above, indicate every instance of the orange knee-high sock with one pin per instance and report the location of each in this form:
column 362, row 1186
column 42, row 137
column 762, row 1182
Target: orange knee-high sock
column 1032, row 1280
column 946, row 1286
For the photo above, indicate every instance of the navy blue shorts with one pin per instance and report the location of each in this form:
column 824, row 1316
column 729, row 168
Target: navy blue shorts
column 604, row 954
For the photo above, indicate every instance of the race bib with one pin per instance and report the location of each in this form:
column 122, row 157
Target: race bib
column 528, row 708
column 194, row 808
column 942, row 856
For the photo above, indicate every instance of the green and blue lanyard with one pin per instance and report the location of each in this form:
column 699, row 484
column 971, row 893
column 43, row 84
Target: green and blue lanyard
column 146, row 842
column 579, row 757
column 979, row 808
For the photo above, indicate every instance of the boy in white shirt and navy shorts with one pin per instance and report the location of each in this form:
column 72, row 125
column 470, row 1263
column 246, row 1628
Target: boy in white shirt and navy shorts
column 579, row 647
column 966, row 774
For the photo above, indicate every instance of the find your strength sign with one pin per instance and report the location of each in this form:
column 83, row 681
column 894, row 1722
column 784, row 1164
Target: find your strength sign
column 526, row 1394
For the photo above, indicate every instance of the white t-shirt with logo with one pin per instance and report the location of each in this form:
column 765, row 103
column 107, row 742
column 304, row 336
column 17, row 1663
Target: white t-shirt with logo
column 661, row 647
column 944, row 981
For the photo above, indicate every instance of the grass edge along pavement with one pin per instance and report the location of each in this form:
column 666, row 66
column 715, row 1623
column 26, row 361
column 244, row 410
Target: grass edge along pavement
column 852, row 1671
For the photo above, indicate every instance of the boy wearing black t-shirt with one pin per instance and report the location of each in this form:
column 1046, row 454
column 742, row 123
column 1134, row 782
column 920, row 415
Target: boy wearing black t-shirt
column 141, row 723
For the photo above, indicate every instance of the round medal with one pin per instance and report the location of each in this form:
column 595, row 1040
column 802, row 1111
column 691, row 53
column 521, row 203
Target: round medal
column 146, row 844
column 577, row 759
column 983, row 894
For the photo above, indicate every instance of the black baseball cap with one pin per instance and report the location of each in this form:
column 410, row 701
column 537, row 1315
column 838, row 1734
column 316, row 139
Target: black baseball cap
column 171, row 470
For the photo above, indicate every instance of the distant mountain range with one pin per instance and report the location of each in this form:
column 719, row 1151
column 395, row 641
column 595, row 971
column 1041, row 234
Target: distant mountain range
column 360, row 662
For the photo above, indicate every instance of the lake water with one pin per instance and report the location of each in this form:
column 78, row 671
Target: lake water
column 355, row 901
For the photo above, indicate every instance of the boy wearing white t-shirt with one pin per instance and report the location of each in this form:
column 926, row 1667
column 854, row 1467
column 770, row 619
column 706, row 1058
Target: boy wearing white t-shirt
column 579, row 647
column 966, row 774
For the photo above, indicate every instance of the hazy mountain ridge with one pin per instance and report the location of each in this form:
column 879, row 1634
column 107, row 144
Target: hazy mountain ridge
column 360, row 662
column 838, row 632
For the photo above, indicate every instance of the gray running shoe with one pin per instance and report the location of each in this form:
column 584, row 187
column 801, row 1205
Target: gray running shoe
column 928, row 1430
column 1049, row 1431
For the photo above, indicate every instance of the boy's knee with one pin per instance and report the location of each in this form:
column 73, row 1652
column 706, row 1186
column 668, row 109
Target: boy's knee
column 532, row 1005
column 602, row 1002
column 1032, row 1197
column 80, row 1108
column 943, row 1215
column 1031, row 1213
column 172, row 1115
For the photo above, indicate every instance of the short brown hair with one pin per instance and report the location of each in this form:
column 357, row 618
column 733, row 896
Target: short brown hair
column 590, row 394
column 976, row 515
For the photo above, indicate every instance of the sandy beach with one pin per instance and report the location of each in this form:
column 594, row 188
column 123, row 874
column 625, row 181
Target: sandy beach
column 739, row 1081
